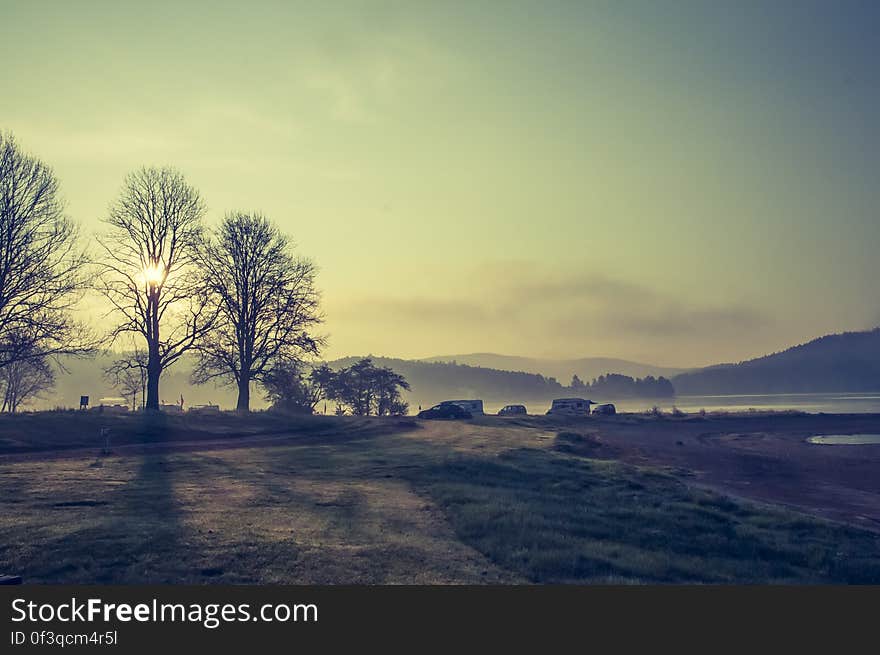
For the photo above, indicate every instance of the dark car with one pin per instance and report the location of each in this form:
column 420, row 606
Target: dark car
column 445, row 411
column 605, row 410
column 512, row 410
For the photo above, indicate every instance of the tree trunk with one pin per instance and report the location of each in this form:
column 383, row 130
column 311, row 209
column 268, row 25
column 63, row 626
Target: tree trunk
column 244, row 394
column 153, row 371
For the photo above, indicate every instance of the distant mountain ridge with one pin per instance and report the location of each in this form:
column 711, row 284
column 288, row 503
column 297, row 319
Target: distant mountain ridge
column 846, row 362
column 586, row 368
column 432, row 382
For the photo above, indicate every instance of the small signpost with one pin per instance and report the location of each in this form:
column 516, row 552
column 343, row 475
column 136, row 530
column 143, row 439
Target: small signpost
column 105, row 440
column 83, row 402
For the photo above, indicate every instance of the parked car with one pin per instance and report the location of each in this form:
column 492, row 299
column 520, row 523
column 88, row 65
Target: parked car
column 571, row 406
column 472, row 406
column 512, row 410
column 605, row 410
column 445, row 411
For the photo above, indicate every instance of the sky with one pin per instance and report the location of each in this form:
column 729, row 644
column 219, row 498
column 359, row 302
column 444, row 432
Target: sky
column 681, row 183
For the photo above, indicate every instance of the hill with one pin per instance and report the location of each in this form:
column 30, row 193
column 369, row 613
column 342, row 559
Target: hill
column 586, row 368
column 432, row 382
column 84, row 377
column 833, row 363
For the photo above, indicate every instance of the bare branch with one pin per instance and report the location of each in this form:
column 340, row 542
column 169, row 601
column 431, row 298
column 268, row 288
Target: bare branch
column 265, row 299
column 148, row 268
column 42, row 272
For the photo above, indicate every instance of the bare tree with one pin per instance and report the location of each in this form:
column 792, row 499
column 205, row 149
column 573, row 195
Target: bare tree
column 42, row 273
column 129, row 375
column 149, row 268
column 25, row 379
column 266, row 302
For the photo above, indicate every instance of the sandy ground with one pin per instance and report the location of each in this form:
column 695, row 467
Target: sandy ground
column 400, row 501
column 762, row 457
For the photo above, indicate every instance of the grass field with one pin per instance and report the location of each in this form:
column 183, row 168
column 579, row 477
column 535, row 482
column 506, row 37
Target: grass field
column 372, row 501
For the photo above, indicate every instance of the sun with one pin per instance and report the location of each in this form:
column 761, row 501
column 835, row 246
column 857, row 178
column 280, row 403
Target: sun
column 153, row 275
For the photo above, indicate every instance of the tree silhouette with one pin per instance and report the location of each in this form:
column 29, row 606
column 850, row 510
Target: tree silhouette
column 387, row 397
column 129, row 374
column 149, row 269
column 265, row 300
column 289, row 390
column 362, row 388
column 42, row 272
column 24, row 379
column 367, row 389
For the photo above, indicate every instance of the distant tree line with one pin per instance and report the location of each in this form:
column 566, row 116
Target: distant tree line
column 449, row 379
column 615, row 385
column 361, row 389
column 435, row 381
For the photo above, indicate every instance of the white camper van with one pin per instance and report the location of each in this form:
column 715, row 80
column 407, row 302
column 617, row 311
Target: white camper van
column 472, row 406
column 571, row 407
column 112, row 406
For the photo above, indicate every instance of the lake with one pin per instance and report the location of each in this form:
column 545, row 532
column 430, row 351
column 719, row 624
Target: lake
column 830, row 403
column 845, row 439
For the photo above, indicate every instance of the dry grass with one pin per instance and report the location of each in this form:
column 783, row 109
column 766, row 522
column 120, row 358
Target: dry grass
column 487, row 501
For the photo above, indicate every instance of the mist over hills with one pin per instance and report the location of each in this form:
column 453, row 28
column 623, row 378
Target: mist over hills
column 834, row 363
column 585, row 368
column 432, row 382
column 84, row 377
column 848, row 362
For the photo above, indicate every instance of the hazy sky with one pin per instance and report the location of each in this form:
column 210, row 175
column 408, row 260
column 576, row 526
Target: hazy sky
column 676, row 182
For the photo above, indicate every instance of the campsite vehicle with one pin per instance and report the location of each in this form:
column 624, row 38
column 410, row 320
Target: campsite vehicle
column 605, row 410
column 512, row 410
column 445, row 411
column 571, row 407
column 112, row 406
column 472, row 406
column 205, row 409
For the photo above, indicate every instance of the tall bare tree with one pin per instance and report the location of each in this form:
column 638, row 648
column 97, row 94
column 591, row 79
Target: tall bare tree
column 42, row 272
column 266, row 302
column 149, row 269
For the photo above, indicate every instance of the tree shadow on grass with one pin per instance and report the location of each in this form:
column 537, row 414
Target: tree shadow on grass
column 299, row 529
column 126, row 533
column 543, row 516
column 131, row 534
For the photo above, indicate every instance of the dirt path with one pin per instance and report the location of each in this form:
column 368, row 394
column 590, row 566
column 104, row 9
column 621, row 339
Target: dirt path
column 760, row 457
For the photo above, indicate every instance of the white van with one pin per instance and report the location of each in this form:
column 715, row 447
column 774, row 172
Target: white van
column 571, row 407
column 472, row 406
